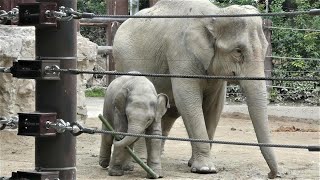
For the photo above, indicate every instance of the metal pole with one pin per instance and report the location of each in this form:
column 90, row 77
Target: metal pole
column 152, row 2
column 267, row 5
column 114, row 7
column 58, row 153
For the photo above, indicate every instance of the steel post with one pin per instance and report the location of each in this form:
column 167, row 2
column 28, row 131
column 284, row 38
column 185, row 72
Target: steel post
column 152, row 2
column 7, row 5
column 114, row 7
column 58, row 153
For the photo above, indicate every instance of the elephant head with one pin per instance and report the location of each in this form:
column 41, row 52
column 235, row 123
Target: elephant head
column 233, row 47
column 229, row 46
column 142, row 111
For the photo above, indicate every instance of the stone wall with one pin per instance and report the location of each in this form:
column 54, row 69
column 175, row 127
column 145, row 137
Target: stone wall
column 17, row 95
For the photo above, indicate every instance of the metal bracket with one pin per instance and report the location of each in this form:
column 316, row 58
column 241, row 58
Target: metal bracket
column 34, row 124
column 23, row 175
column 34, row 14
column 35, row 69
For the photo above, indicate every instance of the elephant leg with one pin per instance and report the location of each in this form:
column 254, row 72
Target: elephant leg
column 105, row 149
column 140, row 149
column 188, row 97
column 154, row 149
column 212, row 106
column 128, row 161
column 119, row 155
column 117, row 160
column 167, row 122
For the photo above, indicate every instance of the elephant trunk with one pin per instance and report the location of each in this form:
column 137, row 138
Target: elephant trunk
column 256, row 94
column 128, row 140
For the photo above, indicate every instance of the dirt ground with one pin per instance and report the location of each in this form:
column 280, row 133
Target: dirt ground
column 232, row 162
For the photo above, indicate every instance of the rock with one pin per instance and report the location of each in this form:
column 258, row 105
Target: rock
column 17, row 95
column 87, row 55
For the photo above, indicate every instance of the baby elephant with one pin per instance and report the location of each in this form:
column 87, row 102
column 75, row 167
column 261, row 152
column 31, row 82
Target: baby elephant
column 132, row 105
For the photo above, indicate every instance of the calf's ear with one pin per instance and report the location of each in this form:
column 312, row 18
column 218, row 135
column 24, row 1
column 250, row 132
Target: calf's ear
column 120, row 100
column 162, row 106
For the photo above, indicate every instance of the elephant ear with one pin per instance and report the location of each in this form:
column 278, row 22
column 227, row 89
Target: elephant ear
column 199, row 40
column 120, row 100
column 162, row 106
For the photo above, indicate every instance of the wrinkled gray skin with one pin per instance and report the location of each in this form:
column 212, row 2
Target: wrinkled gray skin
column 210, row 46
column 132, row 105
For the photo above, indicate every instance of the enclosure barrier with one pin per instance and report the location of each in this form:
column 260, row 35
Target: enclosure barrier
column 67, row 14
column 76, row 129
column 51, row 65
column 19, row 70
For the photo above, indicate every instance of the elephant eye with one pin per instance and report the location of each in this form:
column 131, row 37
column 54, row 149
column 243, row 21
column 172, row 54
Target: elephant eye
column 238, row 50
column 237, row 54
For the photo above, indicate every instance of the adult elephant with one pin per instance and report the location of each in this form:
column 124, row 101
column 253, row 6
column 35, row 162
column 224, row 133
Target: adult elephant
column 209, row 46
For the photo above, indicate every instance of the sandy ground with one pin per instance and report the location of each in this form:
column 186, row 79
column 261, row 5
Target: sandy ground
column 233, row 162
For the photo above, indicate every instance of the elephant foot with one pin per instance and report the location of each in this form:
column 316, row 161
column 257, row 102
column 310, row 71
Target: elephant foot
column 104, row 162
column 190, row 162
column 273, row 175
column 156, row 167
column 116, row 171
column 202, row 165
column 128, row 167
column 158, row 174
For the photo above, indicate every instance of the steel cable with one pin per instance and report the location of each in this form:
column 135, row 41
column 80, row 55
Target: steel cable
column 294, row 58
column 275, row 58
column 310, row 148
column 294, row 13
column 292, row 29
column 76, row 71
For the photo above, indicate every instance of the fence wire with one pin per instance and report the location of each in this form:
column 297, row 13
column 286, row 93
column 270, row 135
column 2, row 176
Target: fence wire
column 294, row 58
column 294, row 13
column 76, row 72
column 274, row 58
column 309, row 147
column 292, row 29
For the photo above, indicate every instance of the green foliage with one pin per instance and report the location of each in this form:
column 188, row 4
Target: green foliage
column 95, row 92
column 95, row 34
column 303, row 44
column 93, row 6
column 231, row 2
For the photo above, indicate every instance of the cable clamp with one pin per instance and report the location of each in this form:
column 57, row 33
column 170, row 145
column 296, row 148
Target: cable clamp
column 60, row 126
column 12, row 15
column 67, row 14
column 60, row 15
column 11, row 123
column 79, row 129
